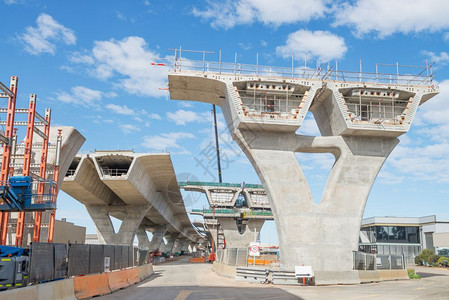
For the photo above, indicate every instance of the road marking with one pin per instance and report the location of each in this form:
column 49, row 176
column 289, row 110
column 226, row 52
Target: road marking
column 366, row 296
column 420, row 288
column 183, row 294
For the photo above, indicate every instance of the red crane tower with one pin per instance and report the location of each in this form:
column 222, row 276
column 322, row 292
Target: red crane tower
column 22, row 190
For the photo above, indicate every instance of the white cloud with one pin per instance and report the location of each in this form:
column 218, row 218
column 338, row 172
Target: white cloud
column 129, row 128
column 182, row 117
column 83, row 96
column 229, row 13
column 385, row 17
column 164, row 141
column 446, row 36
column 43, row 38
column 428, row 163
column 440, row 59
column 313, row 44
column 141, row 116
column 436, row 110
column 121, row 110
column 309, row 126
column 245, row 46
column 186, row 104
column 80, row 58
column 129, row 62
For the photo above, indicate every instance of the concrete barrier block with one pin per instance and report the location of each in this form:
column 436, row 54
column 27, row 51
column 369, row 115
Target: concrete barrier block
column 369, row 276
column 224, row 270
column 150, row 270
column 26, row 293
column 142, row 271
column 336, row 277
column 132, row 276
column 393, row 274
column 117, row 280
column 60, row 289
column 91, row 285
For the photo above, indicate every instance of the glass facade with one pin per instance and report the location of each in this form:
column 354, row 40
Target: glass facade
column 392, row 234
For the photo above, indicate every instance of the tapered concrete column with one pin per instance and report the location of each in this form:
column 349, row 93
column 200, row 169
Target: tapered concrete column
column 158, row 237
column 142, row 237
column 214, row 235
column 185, row 245
column 178, row 245
column 232, row 235
column 170, row 243
column 131, row 215
column 309, row 233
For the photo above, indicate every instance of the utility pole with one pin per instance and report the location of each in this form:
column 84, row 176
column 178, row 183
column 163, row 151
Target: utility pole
column 216, row 144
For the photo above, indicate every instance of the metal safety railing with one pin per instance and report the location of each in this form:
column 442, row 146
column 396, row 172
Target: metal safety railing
column 216, row 184
column 114, row 172
column 322, row 72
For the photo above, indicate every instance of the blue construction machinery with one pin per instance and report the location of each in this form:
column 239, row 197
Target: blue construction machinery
column 14, row 267
column 17, row 194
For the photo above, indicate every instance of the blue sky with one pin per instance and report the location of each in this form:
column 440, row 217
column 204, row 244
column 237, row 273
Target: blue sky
column 90, row 62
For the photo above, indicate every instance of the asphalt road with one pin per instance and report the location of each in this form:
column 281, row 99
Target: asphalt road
column 180, row 280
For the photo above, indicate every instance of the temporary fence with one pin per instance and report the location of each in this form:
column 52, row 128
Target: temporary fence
column 237, row 257
column 367, row 261
column 55, row 261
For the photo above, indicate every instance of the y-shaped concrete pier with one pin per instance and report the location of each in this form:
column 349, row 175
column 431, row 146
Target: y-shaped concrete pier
column 239, row 220
column 359, row 117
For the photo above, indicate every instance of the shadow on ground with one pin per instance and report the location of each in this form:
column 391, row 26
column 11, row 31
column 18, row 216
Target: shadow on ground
column 425, row 275
column 198, row 292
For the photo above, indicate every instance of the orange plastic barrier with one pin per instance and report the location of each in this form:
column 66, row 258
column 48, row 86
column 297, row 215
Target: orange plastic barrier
column 117, row 280
column 197, row 260
column 132, row 276
column 91, row 285
column 259, row 261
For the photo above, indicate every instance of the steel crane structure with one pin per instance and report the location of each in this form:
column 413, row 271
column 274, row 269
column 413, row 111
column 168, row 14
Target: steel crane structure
column 24, row 186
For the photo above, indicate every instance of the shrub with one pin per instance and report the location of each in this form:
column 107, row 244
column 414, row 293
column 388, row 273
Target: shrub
column 433, row 260
column 443, row 261
column 412, row 274
column 425, row 256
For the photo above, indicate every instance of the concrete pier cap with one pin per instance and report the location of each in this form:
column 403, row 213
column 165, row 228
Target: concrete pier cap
column 359, row 123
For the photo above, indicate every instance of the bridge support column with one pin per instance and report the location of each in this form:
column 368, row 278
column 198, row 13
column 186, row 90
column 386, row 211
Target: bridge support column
column 132, row 217
column 170, row 243
column 192, row 247
column 323, row 235
column 178, row 245
column 142, row 237
column 214, row 233
column 158, row 237
column 232, row 235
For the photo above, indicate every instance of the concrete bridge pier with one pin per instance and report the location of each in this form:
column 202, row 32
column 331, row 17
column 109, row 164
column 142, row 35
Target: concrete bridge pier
column 232, row 235
column 158, row 237
column 142, row 237
column 168, row 248
column 192, row 247
column 132, row 217
column 316, row 234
